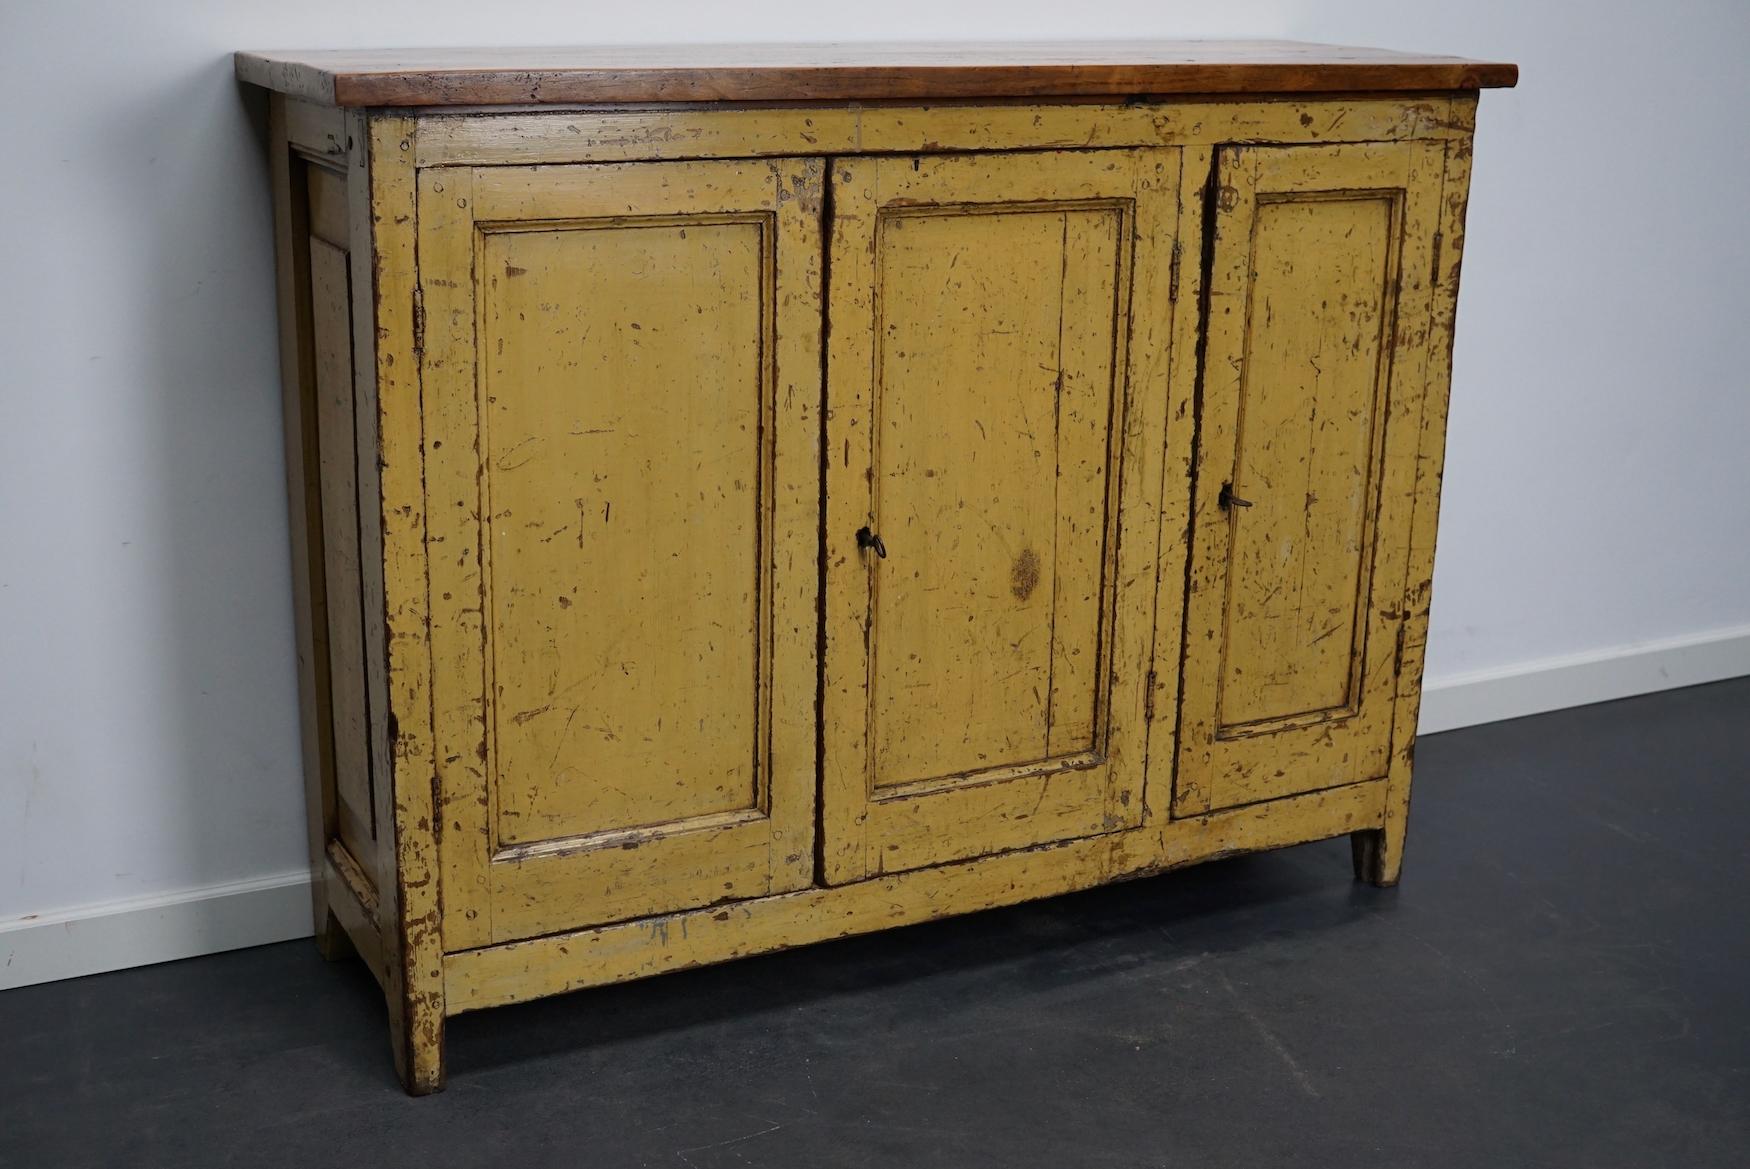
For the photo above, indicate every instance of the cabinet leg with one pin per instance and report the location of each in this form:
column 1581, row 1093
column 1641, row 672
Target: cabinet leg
column 416, row 1032
column 332, row 941
column 1378, row 855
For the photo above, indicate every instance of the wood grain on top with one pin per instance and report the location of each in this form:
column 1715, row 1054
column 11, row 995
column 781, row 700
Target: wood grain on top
column 850, row 72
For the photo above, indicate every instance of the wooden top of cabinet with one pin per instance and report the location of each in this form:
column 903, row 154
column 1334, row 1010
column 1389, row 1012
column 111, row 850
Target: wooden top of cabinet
column 851, row 72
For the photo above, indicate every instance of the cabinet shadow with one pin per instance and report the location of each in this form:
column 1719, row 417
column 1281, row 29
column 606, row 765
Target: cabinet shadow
column 1020, row 958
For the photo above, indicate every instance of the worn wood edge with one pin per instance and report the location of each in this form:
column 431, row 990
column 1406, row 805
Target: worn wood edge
column 293, row 81
column 379, row 865
column 1185, row 797
column 1148, row 351
column 414, row 87
column 354, row 906
column 520, row 971
column 495, row 137
column 1178, row 481
column 410, row 914
column 317, row 131
column 353, row 876
column 1028, row 82
column 847, row 485
column 1156, row 102
column 446, row 240
column 1379, row 860
column 1235, row 172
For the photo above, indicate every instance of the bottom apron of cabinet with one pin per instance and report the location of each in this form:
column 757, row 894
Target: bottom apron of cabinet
column 517, row 971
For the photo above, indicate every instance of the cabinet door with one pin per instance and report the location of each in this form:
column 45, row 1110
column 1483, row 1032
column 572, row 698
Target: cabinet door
column 622, row 387
column 1317, row 330
column 996, row 373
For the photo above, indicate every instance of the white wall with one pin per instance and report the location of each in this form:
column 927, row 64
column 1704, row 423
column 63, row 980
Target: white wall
column 1597, row 482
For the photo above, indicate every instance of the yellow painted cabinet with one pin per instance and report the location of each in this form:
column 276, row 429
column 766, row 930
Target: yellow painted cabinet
column 1317, row 335
column 622, row 380
column 773, row 494
column 644, row 573
column 995, row 370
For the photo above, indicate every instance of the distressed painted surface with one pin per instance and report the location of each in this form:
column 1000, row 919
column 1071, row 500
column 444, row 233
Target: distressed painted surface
column 372, row 339
column 330, row 458
column 624, row 578
column 623, row 380
column 1309, row 414
column 985, row 682
column 637, row 949
column 1380, row 856
column 1184, row 376
column 338, row 455
column 410, row 912
column 303, row 497
column 727, row 132
column 930, row 71
column 993, row 420
column 609, row 890
column 1317, row 342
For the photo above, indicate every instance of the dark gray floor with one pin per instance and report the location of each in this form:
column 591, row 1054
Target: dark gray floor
column 1562, row 979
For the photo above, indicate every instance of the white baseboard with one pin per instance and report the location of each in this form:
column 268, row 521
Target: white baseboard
column 96, row 938
column 91, row 939
column 1486, row 696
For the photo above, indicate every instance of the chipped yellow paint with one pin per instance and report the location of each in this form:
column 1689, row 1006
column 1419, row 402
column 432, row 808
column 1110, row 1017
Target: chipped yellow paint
column 985, row 681
column 1317, row 342
column 1176, row 470
column 992, row 426
column 624, row 576
column 412, row 924
column 1380, row 855
column 618, row 953
column 587, row 420
column 593, row 135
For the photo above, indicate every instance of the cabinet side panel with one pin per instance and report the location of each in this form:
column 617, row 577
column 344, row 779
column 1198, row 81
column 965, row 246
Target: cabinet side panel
column 337, row 452
column 362, row 274
column 303, row 479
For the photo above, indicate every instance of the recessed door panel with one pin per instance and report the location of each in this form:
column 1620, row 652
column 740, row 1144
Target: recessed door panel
column 994, row 432
column 1309, row 419
column 622, row 392
column 1318, row 320
column 987, row 635
column 622, row 366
